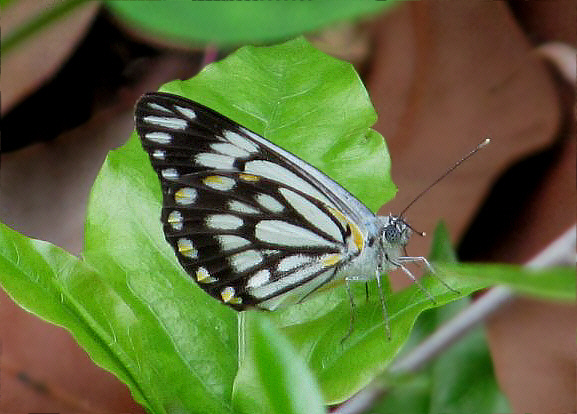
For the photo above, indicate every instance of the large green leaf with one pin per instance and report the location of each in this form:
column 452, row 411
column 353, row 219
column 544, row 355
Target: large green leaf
column 123, row 231
column 234, row 23
column 318, row 326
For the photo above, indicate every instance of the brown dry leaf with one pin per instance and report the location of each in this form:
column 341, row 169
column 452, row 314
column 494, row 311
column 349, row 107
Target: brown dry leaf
column 444, row 75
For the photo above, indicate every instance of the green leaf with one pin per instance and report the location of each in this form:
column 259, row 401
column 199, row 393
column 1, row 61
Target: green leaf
column 191, row 360
column 63, row 290
column 123, row 230
column 317, row 327
column 556, row 283
column 461, row 380
column 234, row 23
column 272, row 377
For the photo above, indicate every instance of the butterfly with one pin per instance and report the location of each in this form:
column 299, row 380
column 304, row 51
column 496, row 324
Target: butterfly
column 251, row 223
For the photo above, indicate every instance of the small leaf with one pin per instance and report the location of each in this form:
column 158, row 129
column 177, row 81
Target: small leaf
column 460, row 380
column 272, row 377
column 557, row 283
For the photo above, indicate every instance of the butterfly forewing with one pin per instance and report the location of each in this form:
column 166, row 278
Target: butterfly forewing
column 251, row 223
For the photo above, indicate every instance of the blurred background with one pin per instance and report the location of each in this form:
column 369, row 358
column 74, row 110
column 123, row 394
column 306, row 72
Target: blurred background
column 442, row 76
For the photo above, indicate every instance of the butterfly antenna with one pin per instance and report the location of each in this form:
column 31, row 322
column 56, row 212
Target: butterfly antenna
column 482, row 145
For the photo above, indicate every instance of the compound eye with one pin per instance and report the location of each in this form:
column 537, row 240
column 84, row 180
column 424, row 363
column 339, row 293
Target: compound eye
column 392, row 234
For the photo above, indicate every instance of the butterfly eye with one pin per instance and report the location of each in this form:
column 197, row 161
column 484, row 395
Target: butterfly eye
column 392, row 234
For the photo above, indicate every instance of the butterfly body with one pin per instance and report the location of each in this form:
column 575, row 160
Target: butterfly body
column 251, row 223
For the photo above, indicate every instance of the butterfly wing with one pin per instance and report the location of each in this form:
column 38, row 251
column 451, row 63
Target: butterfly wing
column 250, row 222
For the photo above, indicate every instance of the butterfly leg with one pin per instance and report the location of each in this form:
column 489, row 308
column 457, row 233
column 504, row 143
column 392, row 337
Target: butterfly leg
column 383, row 305
column 352, row 303
column 429, row 268
column 399, row 264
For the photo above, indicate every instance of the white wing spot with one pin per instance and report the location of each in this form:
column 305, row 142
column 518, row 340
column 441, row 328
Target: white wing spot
column 185, row 196
column 230, row 150
column 269, row 252
column 258, row 279
column 291, row 262
column 240, row 207
column 186, row 248
column 269, row 203
column 175, row 220
column 159, row 137
column 223, row 222
column 290, row 280
column 278, row 173
column 245, row 260
column 230, row 242
column 158, row 107
column 219, row 182
column 187, row 112
column 250, row 134
column 239, row 141
column 216, row 161
column 169, row 174
column 284, row 234
column 159, row 154
column 312, row 214
column 166, row 122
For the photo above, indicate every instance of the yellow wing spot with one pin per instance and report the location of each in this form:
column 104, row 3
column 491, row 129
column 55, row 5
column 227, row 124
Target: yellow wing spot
column 249, row 177
column 358, row 238
column 186, row 248
column 203, row 276
column 339, row 216
column 175, row 220
column 213, row 179
column 185, row 195
column 227, row 295
column 218, row 182
column 331, row 259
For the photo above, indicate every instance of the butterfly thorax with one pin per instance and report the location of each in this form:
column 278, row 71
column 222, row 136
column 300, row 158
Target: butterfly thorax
column 384, row 244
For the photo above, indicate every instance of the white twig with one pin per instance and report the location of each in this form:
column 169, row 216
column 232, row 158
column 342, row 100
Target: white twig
column 560, row 252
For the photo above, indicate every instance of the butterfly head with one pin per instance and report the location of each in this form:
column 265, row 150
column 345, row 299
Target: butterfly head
column 394, row 236
column 395, row 232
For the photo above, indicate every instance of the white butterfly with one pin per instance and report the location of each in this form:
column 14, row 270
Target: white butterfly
column 252, row 224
